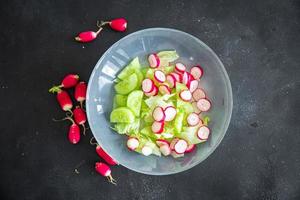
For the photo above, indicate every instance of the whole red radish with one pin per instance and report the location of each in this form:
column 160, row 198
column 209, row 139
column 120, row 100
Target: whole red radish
column 74, row 132
column 63, row 99
column 68, row 81
column 88, row 36
column 80, row 117
column 119, row 24
column 80, row 92
column 105, row 171
column 102, row 153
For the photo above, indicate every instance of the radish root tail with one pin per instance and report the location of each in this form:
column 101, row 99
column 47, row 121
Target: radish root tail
column 111, row 180
column 92, row 141
column 63, row 119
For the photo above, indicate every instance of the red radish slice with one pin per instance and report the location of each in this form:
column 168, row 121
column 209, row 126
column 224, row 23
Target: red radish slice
column 161, row 142
column 193, row 119
column 158, row 127
column 190, row 148
column 146, row 150
column 179, row 67
column 180, row 77
column 153, row 60
column 176, row 155
column 193, row 85
column 197, row 72
column 176, row 76
column 170, row 113
column 132, row 143
column 203, row 133
column 153, row 93
column 185, row 95
column 196, row 109
column 165, row 150
column 191, row 77
column 147, row 85
column 164, row 89
column 158, row 114
column 204, row 105
column 180, row 146
column 199, row 94
column 159, row 76
column 173, row 142
column 171, row 80
column 185, row 78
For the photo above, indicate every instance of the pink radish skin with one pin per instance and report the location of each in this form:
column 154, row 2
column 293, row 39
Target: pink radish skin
column 179, row 67
column 170, row 113
column 161, row 142
column 132, row 143
column 180, row 146
column 197, row 72
column 159, row 76
column 173, row 142
column 190, row 148
column 196, row 109
column 203, row 133
column 198, row 94
column 158, row 114
column 165, row 149
column 153, row 60
column 74, row 133
column 105, row 156
column 158, row 127
column 176, row 76
column 185, row 78
column 193, row 85
column 204, row 104
column 164, row 89
column 147, row 85
column 185, row 95
column 171, row 80
column 193, row 119
column 105, row 171
column 153, row 93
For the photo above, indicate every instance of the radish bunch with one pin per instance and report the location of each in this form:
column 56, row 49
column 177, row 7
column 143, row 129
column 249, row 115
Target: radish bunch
column 119, row 24
column 66, row 104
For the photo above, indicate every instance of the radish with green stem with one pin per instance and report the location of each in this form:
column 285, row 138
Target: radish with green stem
column 105, row 171
column 63, row 99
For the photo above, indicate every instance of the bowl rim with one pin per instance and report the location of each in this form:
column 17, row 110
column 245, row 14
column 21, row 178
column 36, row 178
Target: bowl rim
column 228, row 87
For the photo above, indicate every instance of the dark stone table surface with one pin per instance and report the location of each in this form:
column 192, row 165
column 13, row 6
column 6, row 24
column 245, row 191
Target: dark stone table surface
column 259, row 44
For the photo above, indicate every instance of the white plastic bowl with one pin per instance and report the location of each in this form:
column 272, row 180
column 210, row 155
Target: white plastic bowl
column 100, row 96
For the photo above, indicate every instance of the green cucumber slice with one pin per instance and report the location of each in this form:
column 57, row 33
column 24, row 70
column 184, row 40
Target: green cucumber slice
column 129, row 69
column 121, row 115
column 134, row 101
column 120, row 100
column 127, row 85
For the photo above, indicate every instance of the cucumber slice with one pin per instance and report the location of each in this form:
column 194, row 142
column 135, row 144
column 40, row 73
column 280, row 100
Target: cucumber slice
column 178, row 122
column 140, row 78
column 130, row 69
column 121, row 115
column 127, row 85
column 134, row 101
column 120, row 100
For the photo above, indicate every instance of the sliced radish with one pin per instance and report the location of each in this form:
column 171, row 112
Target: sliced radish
column 170, row 113
column 173, row 142
column 180, row 146
column 161, row 142
column 132, row 143
column 164, row 89
column 190, row 148
column 191, row 77
column 153, row 60
column 159, row 76
column 158, row 114
column 153, row 93
column 193, row 85
column 199, row 94
column 179, row 67
column 158, row 127
column 185, row 95
column 195, row 107
column 193, row 119
column 146, row 150
column 176, row 155
column 197, row 72
column 176, row 76
column 203, row 133
column 147, row 85
column 171, row 80
column 185, row 78
column 204, row 104
column 165, row 149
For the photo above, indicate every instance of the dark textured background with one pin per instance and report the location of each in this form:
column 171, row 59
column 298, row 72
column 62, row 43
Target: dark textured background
column 259, row 44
